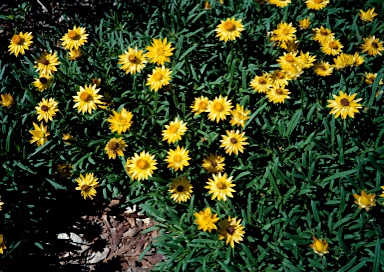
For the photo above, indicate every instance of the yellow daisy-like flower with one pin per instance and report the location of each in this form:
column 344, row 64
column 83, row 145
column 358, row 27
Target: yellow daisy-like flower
column 357, row 59
column 205, row 220
column 261, row 83
column 323, row 68
column 370, row 78
column 132, row 61
column 87, row 99
column 74, row 38
column 343, row 60
column 219, row 108
column 231, row 230
column 46, row 109
column 20, row 43
column 279, row 78
column 220, row 186
column 64, row 170
column 367, row 16
column 239, row 116
column 290, row 46
column 200, row 105
column 43, row 82
column 181, row 189
column 39, row 134
column 46, row 64
column 234, row 142
column 322, row 34
column 319, row 246
column 87, row 185
column 279, row 3
column 305, row 23
column 278, row 94
column 284, row 32
column 174, row 131
column 160, row 51
column 74, row 54
column 141, row 166
column 365, row 201
column 287, row 60
column 229, row 29
column 6, row 100
column 213, row 163
column 344, row 105
column 305, row 61
column 177, row 158
column 331, row 47
column 2, row 244
column 114, row 147
column 316, row 4
column 120, row 121
column 373, row 46
column 159, row 78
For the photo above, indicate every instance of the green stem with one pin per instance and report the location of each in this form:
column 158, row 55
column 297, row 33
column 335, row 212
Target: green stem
column 301, row 95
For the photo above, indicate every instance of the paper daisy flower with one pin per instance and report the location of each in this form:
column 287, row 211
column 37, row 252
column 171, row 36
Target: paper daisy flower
column 261, row 83
column 74, row 38
column 174, row 131
column 64, row 170
column 121, row 121
column 357, row 59
column 200, row 105
column 239, row 116
column 46, row 109
column 229, row 29
column 234, row 142
column 290, row 46
column 74, row 54
column 319, row 246
column 181, row 189
column 231, row 230
column 205, row 220
column 367, row 16
column 322, row 34
column 323, row 68
column 2, row 244
column 20, row 43
column 220, row 186
column 279, row 78
column 370, row 78
column 141, row 166
column 284, row 32
column 87, row 99
column 6, row 100
column 160, row 51
column 331, row 47
column 87, row 185
column 213, row 163
column 39, row 134
column 305, row 23
column 177, row 158
column 344, row 105
column 278, row 94
column 316, row 4
column 305, row 61
column 372, row 46
column 343, row 60
column 43, row 82
column 159, row 78
column 46, row 64
column 132, row 61
column 115, row 147
column 365, row 201
column 279, row 3
column 219, row 108
column 287, row 60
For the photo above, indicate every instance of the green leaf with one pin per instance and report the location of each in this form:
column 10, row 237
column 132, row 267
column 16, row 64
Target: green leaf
column 376, row 259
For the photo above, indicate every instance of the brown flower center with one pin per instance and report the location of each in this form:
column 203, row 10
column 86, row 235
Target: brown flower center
column 262, row 80
column 114, row 145
column 132, row 58
column 229, row 26
column 142, row 164
column 230, row 229
column 333, row 45
column 279, row 91
column 44, row 61
column 220, row 185
column 324, row 32
column 173, row 129
column 213, row 163
column 72, row 35
column 218, row 107
column 44, row 108
column 43, row 80
column 84, row 187
column 322, row 67
column 317, row 1
column 157, row 76
column 180, row 188
column 289, row 58
column 375, row 45
column 16, row 39
column 84, row 96
column 344, row 102
column 233, row 140
column 280, row 75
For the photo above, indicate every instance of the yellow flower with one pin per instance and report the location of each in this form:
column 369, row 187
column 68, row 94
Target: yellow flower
column 323, row 68
column 174, row 131
column 358, row 60
column 114, row 147
column 177, row 158
column 367, row 16
column 132, row 61
column 213, row 163
column 365, row 201
column 305, row 61
column 261, row 83
column 181, row 189
column 319, row 246
column 6, row 100
column 372, row 46
column 220, row 186
column 279, row 78
column 279, row 3
column 87, row 99
column 344, row 105
column 64, row 170
column 331, row 47
column 287, row 60
column 290, row 46
column 141, row 166
column 322, row 34
column 231, row 230
column 160, row 51
column 278, row 94
column 370, row 78
column 74, row 54
column 2, row 244
column 343, row 60
column 205, row 220
column 229, row 29
column 46, row 64
column 46, row 109
column 219, row 108
column 74, row 38
column 67, row 136
column 200, row 105
column 239, row 116
column 43, row 82
column 20, row 43
column 159, row 78
column 120, row 122
column 87, row 185
column 39, row 134
column 316, row 4
column 234, row 142
column 305, row 23
column 207, row 5
column 284, row 32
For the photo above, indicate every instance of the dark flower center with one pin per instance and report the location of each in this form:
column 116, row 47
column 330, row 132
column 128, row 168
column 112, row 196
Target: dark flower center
column 132, row 58
column 44, row 108
column 233, row 140
column 230, row 229
column 17, row 39
column 44, row 61
column 180, row 188
column 43, row 80
column 72, row 35
column 375, row 45
column 344, row 102
column 113, row 145
column 322, row 67
column 279, row 91
column 213, row 163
